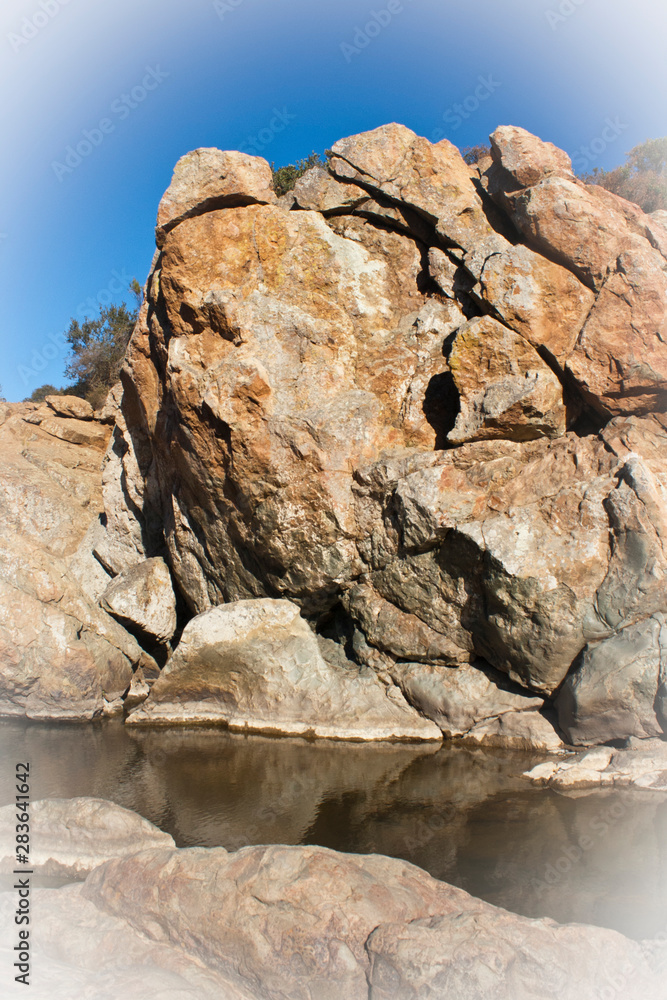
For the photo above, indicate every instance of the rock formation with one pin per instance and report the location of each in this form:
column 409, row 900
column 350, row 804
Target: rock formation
column 423, row 402
column 61, row 655
column 293, row 923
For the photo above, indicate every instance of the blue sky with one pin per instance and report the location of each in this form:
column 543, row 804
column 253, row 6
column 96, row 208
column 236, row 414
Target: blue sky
column 280, row 76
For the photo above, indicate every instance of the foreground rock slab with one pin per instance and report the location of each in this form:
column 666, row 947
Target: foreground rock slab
column 73, row 836
column 257, row 666
column 295, row 923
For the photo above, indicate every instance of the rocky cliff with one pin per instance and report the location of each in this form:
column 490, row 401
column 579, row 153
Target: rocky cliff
column 419, row 405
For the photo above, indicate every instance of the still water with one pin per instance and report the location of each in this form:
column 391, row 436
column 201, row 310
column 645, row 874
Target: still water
column 465, row 815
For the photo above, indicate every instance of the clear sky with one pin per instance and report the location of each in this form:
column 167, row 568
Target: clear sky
column 134, row 85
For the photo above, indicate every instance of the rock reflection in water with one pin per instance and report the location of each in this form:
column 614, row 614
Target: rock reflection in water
column 466, row 815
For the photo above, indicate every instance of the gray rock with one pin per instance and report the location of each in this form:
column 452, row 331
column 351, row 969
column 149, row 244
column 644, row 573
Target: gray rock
column 257, row 666
column 612, row 690
column 459, row 698
column 142, row 598
column 643, row 766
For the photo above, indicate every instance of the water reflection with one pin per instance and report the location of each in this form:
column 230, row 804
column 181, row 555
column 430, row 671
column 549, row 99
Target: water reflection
column 465, row 815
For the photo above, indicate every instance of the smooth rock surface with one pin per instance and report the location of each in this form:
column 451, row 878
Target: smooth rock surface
column 73, row 836
column 458, row 698
column 256, row 666
column 644, row 766
column 142, row 598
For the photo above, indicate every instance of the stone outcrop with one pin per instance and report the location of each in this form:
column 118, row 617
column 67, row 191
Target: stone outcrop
column 292, row 923
column 256, row 666
column 61, row 656
column 615, row 685
column 423, row 402
column 73, row 836
column 70, row 406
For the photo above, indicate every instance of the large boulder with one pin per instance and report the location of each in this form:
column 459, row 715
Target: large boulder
column 209, row 178
column 142, row 599
column 70, row 406
column 257, row 666
column 619, row 359
column 310, row 389
column 292, row 923
column 505, row 389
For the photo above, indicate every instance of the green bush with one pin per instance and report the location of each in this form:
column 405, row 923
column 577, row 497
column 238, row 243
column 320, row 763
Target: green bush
column 39, row 395
column 641, row 179
column 473, row 154
column 284, row 178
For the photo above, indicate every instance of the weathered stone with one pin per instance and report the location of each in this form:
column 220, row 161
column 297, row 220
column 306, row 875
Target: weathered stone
column 256, row 666
column 488, row 953
column 70, row 406
column 90, row 434
column 611, row 692
column 142, row 598
column 293, row 923
column 542, row 301
column 505, row 389
column 60, row 655
column 78, row 952
column 526, row 158
column 458, row 698
column 643, row 766
column 293, row 409
column 317, row 190
column 620, row 359
column 73, row 836
column 206, row 179
column 433, row 179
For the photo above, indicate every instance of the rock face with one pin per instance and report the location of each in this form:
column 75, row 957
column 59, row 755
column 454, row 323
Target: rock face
column 423, row 403
column 61, row 656
column 208, row 178
column 73, row 836
column 256, row 666
column 292, row 923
